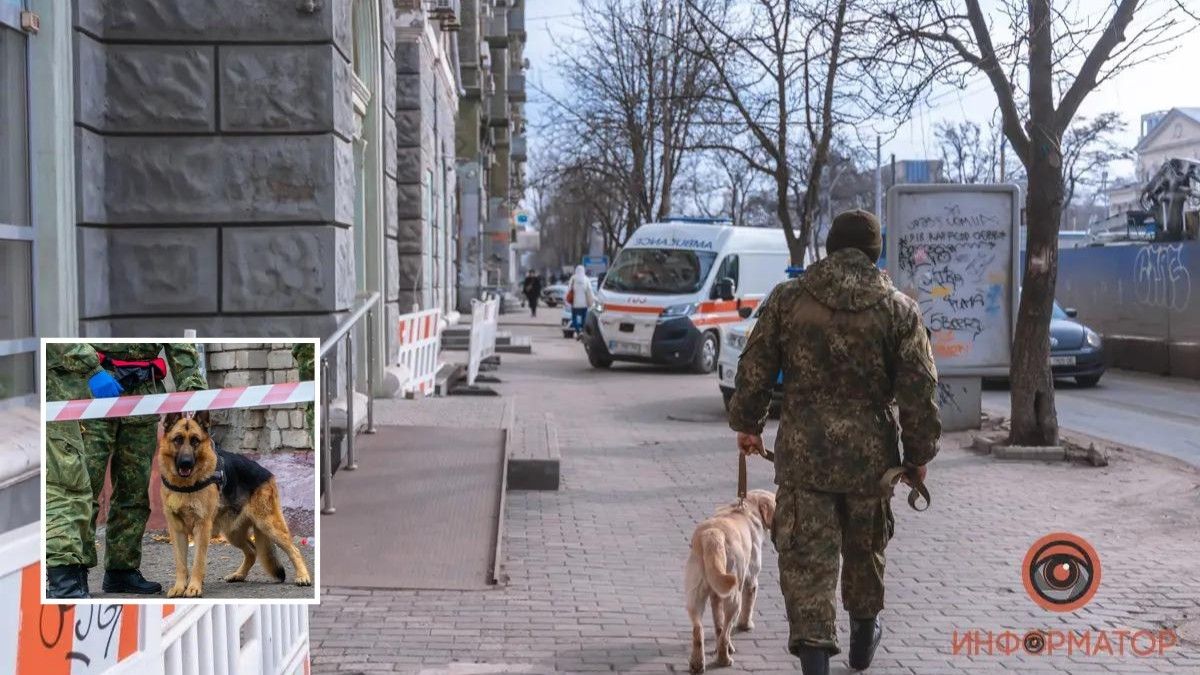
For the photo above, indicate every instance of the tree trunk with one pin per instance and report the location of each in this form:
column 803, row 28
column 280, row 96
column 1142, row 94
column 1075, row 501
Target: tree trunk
column 795, row 244
column 1034, row 419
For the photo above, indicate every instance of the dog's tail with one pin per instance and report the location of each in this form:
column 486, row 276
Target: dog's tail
column 265, row 551
column 712, row 553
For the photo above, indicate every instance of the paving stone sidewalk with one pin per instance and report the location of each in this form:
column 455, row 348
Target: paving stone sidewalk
column 595, row 570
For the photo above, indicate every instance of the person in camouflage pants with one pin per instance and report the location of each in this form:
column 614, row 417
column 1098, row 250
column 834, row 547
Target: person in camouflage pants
column 129, row 443
column 69, row 368
column 302, row 353
column 853, row 351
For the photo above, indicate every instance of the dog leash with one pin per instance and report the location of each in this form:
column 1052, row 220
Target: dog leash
column 893, row 475
column 888, row 483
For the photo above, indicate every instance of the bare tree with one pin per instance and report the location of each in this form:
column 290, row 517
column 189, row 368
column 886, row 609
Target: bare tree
column 789, row 74
column 1041, row 63
column 1089, row 146
column 965, row 156
column 631, row 100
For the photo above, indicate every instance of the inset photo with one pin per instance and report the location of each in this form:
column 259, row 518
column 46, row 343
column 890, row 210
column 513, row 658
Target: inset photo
column 179, row 471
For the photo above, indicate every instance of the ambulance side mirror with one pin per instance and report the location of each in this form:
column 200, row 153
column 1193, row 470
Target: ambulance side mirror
column 724, row 289
column 745, row 312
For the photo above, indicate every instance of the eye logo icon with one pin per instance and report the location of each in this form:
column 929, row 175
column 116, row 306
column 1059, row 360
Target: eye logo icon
column 1061, row 572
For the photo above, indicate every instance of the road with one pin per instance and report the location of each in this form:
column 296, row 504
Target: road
column 1161, row 414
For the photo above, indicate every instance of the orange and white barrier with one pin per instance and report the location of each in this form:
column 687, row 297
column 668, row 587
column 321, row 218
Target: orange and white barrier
column 221, row 639
column 419, row 335
column 181, row 401
column 484, row 321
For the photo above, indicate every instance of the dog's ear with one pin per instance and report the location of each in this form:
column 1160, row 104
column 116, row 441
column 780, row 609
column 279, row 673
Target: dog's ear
column 170, row 419
column 201, row 418
column 766, row 510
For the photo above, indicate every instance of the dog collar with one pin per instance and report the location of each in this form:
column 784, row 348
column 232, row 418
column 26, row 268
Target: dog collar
column 217, row 478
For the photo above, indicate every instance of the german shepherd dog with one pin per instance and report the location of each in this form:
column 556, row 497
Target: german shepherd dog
column 205, row 490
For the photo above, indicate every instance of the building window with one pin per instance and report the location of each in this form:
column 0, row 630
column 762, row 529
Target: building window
column 18, row 345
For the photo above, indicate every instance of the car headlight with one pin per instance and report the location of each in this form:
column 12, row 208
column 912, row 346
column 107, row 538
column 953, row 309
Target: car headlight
column 598, row 307
column 677, row 311
column 736, row 341
column 1092, row 338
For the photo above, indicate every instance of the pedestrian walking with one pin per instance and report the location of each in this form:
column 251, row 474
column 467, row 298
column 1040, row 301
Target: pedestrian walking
column 73, row 372
column 532, row 289
column 129, row 444
column 850, row 346
column 580, row 297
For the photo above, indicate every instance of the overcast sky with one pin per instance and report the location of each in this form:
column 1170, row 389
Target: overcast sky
column 1160, row 85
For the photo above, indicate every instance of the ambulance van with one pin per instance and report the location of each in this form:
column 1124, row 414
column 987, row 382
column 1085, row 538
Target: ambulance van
column 676, row 287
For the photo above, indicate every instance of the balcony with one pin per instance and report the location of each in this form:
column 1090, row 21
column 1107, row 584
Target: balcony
column 495, row 27
column 516, row 22
column 447, row 12
column 517, row 149
column 516, row 86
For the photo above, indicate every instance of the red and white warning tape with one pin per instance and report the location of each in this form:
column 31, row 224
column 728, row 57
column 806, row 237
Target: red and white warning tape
column 181, row 401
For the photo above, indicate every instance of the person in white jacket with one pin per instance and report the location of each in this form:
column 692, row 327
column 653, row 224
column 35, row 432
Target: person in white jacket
column 579, row 289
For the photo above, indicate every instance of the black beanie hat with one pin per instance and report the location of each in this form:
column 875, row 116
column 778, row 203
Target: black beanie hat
column 855, row 229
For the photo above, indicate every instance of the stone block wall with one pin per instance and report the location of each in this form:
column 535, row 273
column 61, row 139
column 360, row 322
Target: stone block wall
column 261, row 430
column 216, row 185
column 426, row 117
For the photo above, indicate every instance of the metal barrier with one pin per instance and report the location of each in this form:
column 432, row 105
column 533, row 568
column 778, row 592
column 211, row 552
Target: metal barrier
column 222, row 639
column 484, row 319
column 419, row 335
column 366, row 306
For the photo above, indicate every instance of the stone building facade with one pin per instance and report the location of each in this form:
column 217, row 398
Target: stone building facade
column 490, row 142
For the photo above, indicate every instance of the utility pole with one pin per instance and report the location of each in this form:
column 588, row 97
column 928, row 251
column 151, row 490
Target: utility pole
column 1003, row 145
column 878, row 180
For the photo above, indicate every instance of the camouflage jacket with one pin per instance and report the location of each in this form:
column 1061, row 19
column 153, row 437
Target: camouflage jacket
column 853, row 350
column 68, row 367
column 182, row 359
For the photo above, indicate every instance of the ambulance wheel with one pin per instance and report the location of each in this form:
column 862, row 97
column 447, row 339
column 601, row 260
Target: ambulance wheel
column 705, row 360
column 599, row 361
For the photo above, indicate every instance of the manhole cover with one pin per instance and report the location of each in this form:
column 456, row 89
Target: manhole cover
column 1189, row 631
column 696, row 417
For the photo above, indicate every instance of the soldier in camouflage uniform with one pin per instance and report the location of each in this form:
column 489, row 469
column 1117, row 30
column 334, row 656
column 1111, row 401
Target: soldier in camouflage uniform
column 130, row 443
column 303, row 355
column 72, row 372
column 853, row 352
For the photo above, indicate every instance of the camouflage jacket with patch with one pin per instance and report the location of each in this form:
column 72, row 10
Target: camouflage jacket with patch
column 853, row 351
column 68, row 367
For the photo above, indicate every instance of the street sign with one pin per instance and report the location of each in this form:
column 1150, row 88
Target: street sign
column 595, row 264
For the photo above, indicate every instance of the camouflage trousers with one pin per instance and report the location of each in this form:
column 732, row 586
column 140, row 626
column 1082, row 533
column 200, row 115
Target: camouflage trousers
column 811, row 531
column 129, row 444
column 68, row 497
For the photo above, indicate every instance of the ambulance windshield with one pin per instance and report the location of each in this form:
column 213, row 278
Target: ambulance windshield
column 666, row 271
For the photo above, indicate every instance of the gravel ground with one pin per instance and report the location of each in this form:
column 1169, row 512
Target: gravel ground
column 158, row 564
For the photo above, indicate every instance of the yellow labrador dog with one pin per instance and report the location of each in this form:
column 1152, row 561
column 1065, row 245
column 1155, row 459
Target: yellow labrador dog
column 723, row 568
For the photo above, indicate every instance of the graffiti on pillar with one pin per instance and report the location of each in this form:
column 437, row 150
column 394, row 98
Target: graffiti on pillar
column 1162, row 277
column 946, row 398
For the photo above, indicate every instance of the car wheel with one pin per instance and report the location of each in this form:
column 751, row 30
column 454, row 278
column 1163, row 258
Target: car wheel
column 598, row 361
column 1087, row 380
column 707, row 352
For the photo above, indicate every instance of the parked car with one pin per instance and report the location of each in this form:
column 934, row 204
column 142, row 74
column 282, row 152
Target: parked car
column 554, row 295
column 727, row 362
column 1076, row 351
column 675, row 288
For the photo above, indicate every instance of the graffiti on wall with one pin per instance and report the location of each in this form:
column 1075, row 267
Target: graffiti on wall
column 1162, row 277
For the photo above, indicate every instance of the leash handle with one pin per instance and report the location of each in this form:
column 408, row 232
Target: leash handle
column 893, row 475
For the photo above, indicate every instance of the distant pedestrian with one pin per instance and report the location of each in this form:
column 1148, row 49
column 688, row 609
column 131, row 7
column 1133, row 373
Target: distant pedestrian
column 849, row 345
column 532, row 289
column 580, row 297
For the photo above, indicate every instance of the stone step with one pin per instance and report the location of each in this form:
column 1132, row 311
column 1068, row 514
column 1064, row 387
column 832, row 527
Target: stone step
column 534, row 457
column 519, row 345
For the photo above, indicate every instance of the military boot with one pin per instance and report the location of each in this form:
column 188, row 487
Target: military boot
column 67, row 582
column 813, row 660
column 864, row 638
column 129, row 581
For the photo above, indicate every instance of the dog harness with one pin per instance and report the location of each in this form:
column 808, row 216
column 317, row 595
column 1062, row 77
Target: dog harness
column 887, row 483
column 217, row 478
